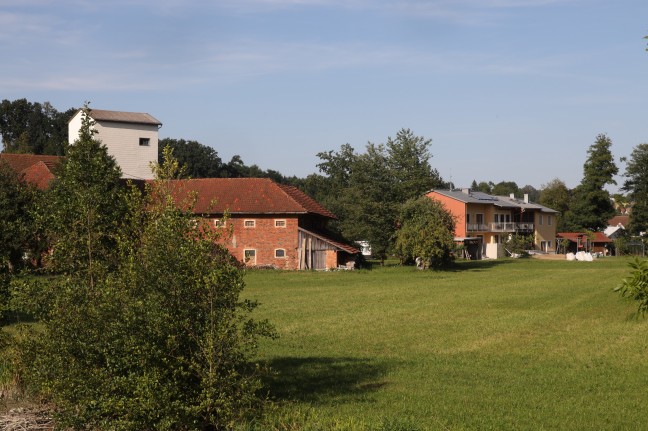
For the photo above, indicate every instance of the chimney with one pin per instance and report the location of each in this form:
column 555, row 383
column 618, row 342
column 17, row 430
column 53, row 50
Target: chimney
column 526, row 198
column 512, row 195
column 466, row 191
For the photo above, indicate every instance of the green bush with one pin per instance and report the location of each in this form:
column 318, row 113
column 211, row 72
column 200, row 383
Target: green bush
column 162, row 341
column 636, row 285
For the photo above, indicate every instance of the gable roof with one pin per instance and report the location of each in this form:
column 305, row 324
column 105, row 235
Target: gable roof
column 124, row 117
column 622, row 220
column 35, row 168
column 248, row 196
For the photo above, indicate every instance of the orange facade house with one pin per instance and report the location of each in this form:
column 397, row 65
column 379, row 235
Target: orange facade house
column 484, row 222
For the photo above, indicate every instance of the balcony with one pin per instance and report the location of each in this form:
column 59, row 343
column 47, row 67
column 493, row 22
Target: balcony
column 499, row 227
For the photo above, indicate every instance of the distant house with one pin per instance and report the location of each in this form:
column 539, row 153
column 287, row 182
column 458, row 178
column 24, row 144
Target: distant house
column 269, row 224
column 595, row 242
column 34, row 169
column 130, row 137
column 484, row 222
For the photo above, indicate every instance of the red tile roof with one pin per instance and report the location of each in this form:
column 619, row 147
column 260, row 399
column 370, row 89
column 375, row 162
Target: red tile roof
column 573, row 236
column 36, row 169
column 124, row 117
column 248, row 196
column 620, row 219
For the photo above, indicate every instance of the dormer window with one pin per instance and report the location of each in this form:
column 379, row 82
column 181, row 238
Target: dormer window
column 144, row 142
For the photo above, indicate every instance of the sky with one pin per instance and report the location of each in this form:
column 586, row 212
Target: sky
column 507, row 90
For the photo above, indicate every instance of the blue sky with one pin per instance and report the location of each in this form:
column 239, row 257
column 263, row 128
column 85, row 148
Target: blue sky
column 512, row 90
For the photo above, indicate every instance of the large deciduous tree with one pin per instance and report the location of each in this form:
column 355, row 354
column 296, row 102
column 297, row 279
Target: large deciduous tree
column 200, row 161
column 426, row 232
column 636, row 185
column 367, row 189
column 33, row 128
column 591, row 206
column 556, row 195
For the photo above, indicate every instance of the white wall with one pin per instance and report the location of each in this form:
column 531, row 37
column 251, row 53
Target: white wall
column 122, row 142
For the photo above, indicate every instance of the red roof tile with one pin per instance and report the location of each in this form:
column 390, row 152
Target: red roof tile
column 36, row 169
column 38, row 174
column 248, row 196
column 620, row 219
column 573, row 236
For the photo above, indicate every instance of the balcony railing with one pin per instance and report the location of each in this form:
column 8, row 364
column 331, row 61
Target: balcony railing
column 499, row 227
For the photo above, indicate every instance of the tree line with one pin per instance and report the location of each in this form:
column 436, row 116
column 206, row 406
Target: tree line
column 366, row 189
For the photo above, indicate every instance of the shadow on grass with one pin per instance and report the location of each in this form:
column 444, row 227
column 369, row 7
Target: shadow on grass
column 320, row 379
column 479, row 265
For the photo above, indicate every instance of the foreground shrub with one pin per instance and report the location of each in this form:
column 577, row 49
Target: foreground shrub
column 636, row 285
column 162, row 341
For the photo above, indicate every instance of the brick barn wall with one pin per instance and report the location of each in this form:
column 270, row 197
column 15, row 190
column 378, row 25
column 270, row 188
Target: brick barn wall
column 265, row 238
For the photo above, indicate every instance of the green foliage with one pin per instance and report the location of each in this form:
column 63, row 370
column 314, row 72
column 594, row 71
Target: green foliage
column 366, row 190
column 591, row 206
column 636, row 285
column 519, row 244
column 162, row 340
column 426, row 231
column 16, row 221
column 200, row 160
column 82, row 210
column 33, row 128
column 505, row 188
column 636, row 185
column 556, row 195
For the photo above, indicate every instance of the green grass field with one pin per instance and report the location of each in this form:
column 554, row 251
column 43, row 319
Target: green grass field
column 507, row 344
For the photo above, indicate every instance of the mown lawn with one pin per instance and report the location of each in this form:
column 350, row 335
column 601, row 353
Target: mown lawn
column 508, row 344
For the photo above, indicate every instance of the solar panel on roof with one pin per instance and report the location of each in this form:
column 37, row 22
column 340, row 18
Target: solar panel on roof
column 483, row 196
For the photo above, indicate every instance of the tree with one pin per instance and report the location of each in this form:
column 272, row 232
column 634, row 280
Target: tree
column 531, row 192
column 483, row 186
column 556, row 195
column 16, row 221
column 162, row 341
column 408, row 161
column 636, row 185
column 591, row 206
column 366, row 190
column 426, row 231
column 505, row 188
column 33, row 128
column 82, row 211
column 200, row 160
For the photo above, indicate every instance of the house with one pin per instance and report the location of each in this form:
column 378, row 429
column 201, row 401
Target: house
column 34, row 169
column 593, row 242
column 130, row 137
column 616, row 226
column 484, row 222
column 268, row 224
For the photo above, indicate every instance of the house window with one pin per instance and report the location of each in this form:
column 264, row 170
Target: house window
column 467, row 218
column 249, row 223
column 144, row 142
column 479, row 219
column 280, row 253
column 249, row 257
column 549, row 220
column 219, row 222
column 540, row 221
column 280, row 223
